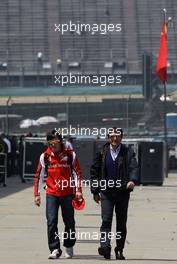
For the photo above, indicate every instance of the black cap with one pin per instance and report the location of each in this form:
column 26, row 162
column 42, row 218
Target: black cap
column 53, row 135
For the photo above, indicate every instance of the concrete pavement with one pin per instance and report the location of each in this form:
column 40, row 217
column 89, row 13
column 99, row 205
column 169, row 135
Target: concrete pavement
column 152, row 226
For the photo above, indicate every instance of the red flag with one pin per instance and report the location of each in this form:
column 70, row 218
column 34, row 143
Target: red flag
column 161, row 67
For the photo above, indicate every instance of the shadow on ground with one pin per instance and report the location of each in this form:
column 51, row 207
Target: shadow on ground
column 14, row 184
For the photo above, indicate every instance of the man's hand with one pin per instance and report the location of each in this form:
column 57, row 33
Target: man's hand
column 96, row 198
column 130, row 185
column 37, row 200
column 79, row 196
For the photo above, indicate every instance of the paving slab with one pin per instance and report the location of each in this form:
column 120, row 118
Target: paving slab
column 152, row 226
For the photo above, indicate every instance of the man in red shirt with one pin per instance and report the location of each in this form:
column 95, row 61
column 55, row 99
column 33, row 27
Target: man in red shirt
column 63, row 183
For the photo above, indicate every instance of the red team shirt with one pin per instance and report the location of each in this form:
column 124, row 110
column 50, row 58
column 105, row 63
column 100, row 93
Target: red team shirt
column 60, row 181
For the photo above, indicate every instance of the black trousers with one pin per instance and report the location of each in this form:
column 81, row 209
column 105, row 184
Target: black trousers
column 118, row 200
column 9, row 164
column 52, row 208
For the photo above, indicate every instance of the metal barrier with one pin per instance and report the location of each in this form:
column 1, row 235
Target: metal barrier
column 150, row 157
column 33, row 148
column 3, row 168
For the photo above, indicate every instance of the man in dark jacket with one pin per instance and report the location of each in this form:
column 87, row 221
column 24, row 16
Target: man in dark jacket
column 114, row 174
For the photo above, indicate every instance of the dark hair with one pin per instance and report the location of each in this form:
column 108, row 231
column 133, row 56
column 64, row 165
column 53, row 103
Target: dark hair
column 54, row 134
column 115, row 130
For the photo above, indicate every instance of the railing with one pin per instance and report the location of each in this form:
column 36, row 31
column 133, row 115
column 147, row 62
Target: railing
column 3, row 168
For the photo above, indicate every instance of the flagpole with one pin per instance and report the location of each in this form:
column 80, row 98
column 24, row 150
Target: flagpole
column 165, row 129
column 164, row 113
column 165, row 15
column 165, row 110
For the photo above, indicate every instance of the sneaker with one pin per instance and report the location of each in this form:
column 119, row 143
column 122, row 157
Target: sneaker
column 69, row 253
column 55, row 254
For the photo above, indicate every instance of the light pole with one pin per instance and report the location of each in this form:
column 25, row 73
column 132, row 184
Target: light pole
column 67, row 112
column 127, row 111
column 39, row 64
column 9, row 100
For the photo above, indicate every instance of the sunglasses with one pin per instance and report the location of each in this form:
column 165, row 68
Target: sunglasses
column 53, row 143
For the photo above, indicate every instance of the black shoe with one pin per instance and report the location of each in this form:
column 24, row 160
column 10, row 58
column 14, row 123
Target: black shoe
column 105, row 252
column 119, row 254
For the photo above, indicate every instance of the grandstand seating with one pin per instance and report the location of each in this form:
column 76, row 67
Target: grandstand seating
column 27, row 27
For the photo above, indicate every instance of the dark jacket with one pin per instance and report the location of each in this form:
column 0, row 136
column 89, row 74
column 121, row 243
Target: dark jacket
column 127, row 169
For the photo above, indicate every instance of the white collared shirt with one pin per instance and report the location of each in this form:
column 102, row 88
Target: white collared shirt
column 114, row 153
